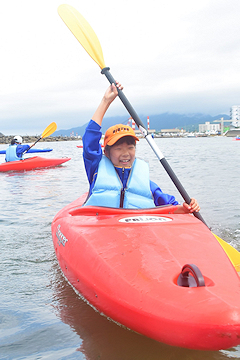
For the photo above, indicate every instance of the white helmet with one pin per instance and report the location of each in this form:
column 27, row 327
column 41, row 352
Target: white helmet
column 18, row 139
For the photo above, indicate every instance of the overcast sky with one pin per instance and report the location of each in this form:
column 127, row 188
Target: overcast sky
column 170, row 55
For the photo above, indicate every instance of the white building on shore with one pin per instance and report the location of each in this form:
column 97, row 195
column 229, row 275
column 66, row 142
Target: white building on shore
column 209, row 128
column 235, row 116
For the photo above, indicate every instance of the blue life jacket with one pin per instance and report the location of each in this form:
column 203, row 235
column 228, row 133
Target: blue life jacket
column 11, row 153
column 108, row 188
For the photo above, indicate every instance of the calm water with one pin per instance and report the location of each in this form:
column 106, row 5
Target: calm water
column 41, row 317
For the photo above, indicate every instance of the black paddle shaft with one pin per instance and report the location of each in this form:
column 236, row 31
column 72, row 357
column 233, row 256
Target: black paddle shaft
column 151, row 142
column 125, row 101
column 32, row 145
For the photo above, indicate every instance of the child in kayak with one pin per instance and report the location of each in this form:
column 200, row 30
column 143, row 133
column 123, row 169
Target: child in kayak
column 15, row 150
column 117, row 178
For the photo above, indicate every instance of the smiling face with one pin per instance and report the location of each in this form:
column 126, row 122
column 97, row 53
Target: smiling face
column 122, row 154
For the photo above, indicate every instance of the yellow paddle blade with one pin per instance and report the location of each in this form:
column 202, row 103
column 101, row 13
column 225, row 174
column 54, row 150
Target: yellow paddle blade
column 83, row 32
column 49, row 130
column 231, row 252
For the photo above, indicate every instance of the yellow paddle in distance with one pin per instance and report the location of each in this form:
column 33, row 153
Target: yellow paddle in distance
column 47, row 132
column 88, row 39
column 50, row 129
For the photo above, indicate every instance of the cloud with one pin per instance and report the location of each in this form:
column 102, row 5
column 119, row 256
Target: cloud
column 170, row 56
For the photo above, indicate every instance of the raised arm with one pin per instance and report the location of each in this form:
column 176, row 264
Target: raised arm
column 110, row 94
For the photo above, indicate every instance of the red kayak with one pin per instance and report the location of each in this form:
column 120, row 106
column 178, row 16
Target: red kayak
column 35, row 162
column 161, row 274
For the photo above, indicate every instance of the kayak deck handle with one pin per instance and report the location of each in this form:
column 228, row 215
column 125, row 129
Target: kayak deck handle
column 190, row 276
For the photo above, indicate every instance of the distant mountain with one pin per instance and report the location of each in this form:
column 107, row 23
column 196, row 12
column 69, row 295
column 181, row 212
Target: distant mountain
column 188, row 122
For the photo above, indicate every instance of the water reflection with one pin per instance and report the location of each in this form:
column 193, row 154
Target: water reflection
column 103, row 339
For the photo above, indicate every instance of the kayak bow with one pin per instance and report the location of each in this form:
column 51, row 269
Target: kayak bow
column 152, row 271
column 35, row 162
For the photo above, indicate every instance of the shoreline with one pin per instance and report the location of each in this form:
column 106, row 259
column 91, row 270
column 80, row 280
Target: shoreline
column 32, row 139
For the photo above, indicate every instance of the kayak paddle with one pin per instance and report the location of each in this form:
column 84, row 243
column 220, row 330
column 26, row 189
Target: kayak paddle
column 47, row 132
column 231, row 252
column 88, row 39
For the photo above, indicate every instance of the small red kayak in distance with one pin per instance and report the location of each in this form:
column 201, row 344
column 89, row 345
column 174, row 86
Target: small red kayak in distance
column 35, row 162
column 160, row 274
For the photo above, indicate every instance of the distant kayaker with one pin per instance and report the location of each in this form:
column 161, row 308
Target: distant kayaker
column 118, row 179
column 15, row 150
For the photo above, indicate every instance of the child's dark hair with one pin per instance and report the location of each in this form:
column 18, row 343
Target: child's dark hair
column 13, row 142
column 125, row 139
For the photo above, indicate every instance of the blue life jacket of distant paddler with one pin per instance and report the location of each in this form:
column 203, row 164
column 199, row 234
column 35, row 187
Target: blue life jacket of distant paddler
column 108, row 188
column 11, row 153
